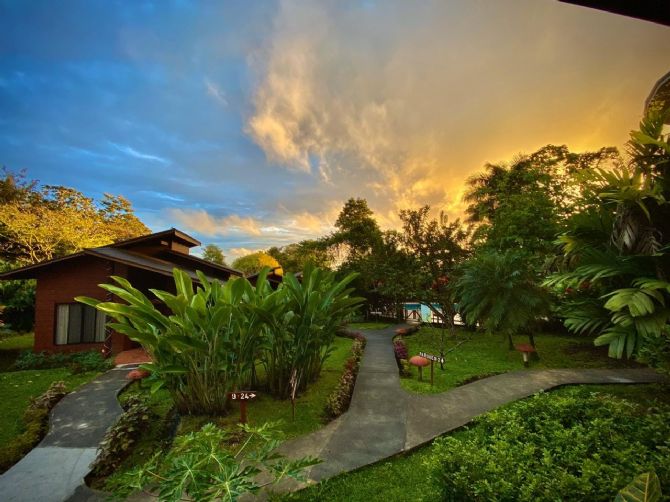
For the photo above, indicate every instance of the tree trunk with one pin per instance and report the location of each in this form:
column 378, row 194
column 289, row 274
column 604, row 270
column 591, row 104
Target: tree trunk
column 510, row 341
column 531, row 339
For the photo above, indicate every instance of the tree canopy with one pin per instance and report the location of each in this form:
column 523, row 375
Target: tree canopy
column 255, row 262
column 43, row 222
column 214, row 253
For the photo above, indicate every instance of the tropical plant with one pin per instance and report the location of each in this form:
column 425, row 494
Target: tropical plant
column 574, row 445
column 500, row 291
column 203, row 466
column 306, row 316
column 616, row 261
column 207, row 345
column 644, row 488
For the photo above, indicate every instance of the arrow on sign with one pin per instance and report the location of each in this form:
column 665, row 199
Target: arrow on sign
column 242, row 395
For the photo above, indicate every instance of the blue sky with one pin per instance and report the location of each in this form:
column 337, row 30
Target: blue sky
column 248, row 124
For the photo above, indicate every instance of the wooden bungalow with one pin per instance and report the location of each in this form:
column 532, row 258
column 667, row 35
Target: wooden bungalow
column 61, row 324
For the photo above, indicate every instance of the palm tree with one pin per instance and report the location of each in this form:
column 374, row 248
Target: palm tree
column 500, row 291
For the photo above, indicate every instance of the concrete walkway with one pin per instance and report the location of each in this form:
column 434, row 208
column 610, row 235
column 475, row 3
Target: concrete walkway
column 56, row 467
column 384, row 420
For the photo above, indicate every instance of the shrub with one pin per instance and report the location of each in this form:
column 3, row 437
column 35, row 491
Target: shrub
column 121, row 437
column 576, row 446
column 92, row 360
column 339, row 400
column 78, row 362
column 201, row 466
column 35, row 422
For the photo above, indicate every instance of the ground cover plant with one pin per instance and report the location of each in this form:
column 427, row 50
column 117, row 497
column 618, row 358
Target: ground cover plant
column 209, row 465
column 419, row 474
column 575, row 446
column 478, row 354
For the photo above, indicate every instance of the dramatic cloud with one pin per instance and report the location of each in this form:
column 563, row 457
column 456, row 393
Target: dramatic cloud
column 409, row 98
column 249, row 124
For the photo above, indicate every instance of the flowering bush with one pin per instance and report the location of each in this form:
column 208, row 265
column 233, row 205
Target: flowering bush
column 339, row 400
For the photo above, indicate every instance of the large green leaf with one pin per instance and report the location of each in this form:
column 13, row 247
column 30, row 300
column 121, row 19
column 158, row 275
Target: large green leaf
column 644, row 488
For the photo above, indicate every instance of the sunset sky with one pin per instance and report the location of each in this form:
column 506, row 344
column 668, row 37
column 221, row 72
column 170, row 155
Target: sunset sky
column 248, row 124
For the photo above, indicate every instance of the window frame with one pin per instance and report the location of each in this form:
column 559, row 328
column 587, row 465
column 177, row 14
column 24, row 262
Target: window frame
column 82, row 325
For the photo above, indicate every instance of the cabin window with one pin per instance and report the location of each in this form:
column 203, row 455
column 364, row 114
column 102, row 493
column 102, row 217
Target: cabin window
column 79, row 323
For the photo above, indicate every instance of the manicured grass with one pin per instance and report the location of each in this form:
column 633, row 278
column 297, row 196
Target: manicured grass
column 483, row 354
column 11, row 346
column 18, row 387
column 368, row 325
column 408, row 477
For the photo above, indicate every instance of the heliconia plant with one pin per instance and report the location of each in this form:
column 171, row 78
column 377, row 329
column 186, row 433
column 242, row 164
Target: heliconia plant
column 206, row 346
column 216, row 334
column 300, row 337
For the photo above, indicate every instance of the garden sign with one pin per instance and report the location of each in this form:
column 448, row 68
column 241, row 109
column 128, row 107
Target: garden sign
column 242, row 396
column 432, row 358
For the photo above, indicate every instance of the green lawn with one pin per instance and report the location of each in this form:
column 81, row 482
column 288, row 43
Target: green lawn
column 16, row 389
column 483, row 354
column 12, row 346
column 408, row 478
column 368, row 325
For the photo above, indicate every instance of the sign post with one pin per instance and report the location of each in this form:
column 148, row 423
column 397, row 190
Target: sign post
column 432, row 358
column 242, row 396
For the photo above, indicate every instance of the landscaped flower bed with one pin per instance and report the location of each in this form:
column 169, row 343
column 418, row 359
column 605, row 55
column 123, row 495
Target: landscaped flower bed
column 339, row 400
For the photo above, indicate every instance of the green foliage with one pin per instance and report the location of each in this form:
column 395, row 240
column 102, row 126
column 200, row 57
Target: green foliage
column 615, row 265
column 576, row 446
column 203, row 467
column 500, row 291
column 295, row 257
column 35, row 425
column 78, row 362
column 17, row 301
column 41, row 223
column 305, row 318
column 214, row 253
column 255, row 262
column 211, row 341
column 644, row 488
column 208, row 344
column 339, row 400
column 122, row 436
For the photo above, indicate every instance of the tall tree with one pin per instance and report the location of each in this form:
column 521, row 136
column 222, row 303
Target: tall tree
column 255, row 262
column 39, row 224
column 435, row 247
column 525, row 204
column 297, row 256
column 214, row 253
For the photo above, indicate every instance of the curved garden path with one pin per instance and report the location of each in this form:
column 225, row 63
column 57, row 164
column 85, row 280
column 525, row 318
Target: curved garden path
column 52, row 471
column 384, row 420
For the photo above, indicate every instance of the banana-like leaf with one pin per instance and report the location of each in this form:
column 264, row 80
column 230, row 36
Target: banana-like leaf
column 644, row 488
